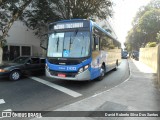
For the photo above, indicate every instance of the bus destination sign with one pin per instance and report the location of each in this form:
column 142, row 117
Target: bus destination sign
column 68, row 25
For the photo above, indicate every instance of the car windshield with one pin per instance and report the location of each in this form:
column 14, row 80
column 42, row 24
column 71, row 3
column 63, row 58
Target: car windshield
column 69, row 44
column 20, row 60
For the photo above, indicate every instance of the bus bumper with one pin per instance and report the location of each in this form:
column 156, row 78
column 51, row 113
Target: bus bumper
column 84, row 76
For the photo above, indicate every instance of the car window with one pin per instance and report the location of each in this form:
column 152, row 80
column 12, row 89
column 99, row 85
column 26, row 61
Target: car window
column 20, row 60
column 35, row 61
column 42, row 60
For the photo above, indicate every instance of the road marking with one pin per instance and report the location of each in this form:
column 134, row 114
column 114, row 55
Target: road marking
column 60, row 88
column 8, row 110
column 2, row 101
column 4, row 111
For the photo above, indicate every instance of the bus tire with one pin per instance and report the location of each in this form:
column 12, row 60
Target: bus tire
column 102, row 73
column 116, row 66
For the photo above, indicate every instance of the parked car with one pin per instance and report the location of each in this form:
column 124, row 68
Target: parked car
column 25, row 65
column 124, row 54
column 135, row 55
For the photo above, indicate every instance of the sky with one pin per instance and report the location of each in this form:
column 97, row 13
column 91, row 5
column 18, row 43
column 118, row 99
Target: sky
column 124, row 12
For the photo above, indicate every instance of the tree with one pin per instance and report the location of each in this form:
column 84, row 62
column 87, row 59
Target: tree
column 15, row 16
column 149, row 24
column 48, row 11
column 82, row 8
column 16, row 13
column 43, row 12
column 39, row 16
column 146, row 25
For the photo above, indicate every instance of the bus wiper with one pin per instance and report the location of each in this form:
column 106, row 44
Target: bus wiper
column 72, row 40
column 82, row 47
column 81, row 50
column 57, row 43
column 70, row 43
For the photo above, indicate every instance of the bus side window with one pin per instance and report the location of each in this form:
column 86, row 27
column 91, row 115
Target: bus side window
column 102, row 44
column 95, row 45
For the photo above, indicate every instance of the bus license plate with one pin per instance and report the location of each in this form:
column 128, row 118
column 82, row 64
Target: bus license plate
column 61, row 75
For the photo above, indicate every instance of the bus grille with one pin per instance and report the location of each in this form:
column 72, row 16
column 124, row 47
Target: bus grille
column 66, row 62
column 67, row 74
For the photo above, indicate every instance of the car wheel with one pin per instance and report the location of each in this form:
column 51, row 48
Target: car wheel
column 15, row 75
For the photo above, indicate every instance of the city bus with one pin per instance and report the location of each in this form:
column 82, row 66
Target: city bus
column 80, row 50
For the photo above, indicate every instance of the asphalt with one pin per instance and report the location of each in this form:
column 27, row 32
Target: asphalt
column 137, row 93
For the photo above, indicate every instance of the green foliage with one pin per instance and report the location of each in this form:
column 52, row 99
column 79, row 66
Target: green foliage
column 128, row 46
column 149, row 23
column 146, row 25
column 43, row 12
column 151, row 44
column 10, row 12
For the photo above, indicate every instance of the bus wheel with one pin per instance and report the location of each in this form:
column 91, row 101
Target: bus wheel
column 102, row 73
column 116, row 66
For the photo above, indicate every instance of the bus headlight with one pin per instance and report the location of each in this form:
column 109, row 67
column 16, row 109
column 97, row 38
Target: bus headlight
column 47, row 67
column 86, row 67
column 83, row 68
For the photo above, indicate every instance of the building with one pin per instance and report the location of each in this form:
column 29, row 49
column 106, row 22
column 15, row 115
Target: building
column 21, row 41
column 107, row 25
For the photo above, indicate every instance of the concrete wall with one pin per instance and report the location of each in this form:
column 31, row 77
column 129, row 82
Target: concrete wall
column 151, row 57
column 158, row 67
column 20, row 35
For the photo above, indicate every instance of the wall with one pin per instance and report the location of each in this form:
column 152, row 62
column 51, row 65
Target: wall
column 158, row 67
column 149, row 57
column 20, row 35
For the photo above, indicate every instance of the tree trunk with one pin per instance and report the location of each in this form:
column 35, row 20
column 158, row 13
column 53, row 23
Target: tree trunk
column 1, row 53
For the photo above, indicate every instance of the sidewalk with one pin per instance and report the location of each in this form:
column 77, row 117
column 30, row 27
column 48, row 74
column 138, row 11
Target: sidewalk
column 137, row 93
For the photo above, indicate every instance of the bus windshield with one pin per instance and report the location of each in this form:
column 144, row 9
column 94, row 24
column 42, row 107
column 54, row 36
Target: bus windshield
column 74, row 44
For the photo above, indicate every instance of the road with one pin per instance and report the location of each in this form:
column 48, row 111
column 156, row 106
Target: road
column 28, row 94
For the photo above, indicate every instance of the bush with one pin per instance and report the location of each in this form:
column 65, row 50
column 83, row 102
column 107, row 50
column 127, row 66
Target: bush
column 151, row 44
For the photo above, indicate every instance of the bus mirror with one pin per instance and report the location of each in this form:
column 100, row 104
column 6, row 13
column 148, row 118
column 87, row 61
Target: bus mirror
column 43, row 42
column 43, row 46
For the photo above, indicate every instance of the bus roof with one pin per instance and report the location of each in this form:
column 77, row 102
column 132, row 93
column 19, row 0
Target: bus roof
column 70, row 20
column 103, row 30
column 92, row 23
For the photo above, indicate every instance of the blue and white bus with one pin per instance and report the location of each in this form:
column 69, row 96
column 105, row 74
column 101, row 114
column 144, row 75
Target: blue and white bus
column 80, row 50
